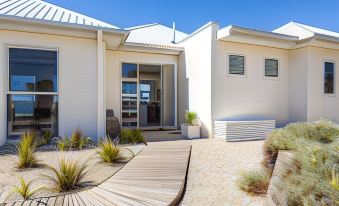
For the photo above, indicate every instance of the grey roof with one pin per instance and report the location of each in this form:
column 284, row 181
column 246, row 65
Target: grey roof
column 154, row 35
column 41, row 10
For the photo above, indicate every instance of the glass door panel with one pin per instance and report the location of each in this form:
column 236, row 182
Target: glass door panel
column 149, row 95
column 129, row 109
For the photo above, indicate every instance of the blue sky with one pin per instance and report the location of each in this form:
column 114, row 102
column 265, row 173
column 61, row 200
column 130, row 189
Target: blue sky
column 190, row 15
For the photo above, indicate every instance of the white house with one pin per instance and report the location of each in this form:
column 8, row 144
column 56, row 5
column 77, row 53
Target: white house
column 62, row 70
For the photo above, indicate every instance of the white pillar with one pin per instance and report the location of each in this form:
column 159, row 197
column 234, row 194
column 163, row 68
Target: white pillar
column 101, row 127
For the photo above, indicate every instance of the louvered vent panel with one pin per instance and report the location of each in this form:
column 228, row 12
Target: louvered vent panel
column 243, row 130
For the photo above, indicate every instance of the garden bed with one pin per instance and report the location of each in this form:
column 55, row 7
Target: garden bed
column 302, row 164
column 98, row 171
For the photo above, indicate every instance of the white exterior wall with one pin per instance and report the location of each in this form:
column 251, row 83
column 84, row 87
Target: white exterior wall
column 298, row 84
column 77, row 79
column 322, row 105
column 198, row 58
column 253, row 95
column 114, row 59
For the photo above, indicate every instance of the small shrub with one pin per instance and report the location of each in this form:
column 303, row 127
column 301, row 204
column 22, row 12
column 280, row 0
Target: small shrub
column 110, row 152
column 254, row 182
column 26, row 151
column 77, row 141
column 279, row 139
column 191, row 118
column 64, row 144
column 24, row 189
column 69, row 175
column 131, row 136
column 46, row 136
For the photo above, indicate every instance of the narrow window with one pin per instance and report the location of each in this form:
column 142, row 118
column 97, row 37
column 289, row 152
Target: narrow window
column 236, row 64
column 271, row 68
column 329, row 78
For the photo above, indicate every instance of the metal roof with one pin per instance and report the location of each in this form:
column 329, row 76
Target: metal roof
column 154, row 34
column 41, row 10
column 317, row 30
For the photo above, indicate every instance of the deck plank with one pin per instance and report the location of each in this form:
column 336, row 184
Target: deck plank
column 156, row 176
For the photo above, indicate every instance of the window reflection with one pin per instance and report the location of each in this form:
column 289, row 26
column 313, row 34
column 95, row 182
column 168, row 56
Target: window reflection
column 27, row 112
column 32, row 70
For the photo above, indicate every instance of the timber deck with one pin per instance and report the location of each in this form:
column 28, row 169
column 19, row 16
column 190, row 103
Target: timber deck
column 156, row 176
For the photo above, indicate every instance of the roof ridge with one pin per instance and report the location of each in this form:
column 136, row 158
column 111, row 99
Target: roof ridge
column 303, row 26
column 141, row 26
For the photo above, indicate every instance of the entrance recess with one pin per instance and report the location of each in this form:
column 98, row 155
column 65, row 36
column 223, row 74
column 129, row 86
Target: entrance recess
column 148, row 96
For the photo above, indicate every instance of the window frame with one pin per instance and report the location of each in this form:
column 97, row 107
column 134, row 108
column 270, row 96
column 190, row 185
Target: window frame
column 8, row 91
column 264, row 68
column 334, row 78
column 7, row 81
column 228, row 74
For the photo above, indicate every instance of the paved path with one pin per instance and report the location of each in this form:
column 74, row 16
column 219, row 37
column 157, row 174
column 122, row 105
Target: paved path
column 154, row 177
column 214, row 169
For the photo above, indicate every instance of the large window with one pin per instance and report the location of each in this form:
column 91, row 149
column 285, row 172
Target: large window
column 236, row 64
column 271, row 68
column 329, row 81
column 33, row 90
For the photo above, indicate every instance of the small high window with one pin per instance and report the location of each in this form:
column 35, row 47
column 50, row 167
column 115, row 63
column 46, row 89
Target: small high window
column 329, row 78
column 236, row 65
column 271, row 68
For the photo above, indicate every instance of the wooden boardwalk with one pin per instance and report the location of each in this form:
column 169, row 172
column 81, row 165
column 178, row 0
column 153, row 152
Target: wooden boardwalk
column 156, row 176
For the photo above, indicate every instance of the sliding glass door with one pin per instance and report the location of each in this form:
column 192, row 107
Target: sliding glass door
column 151, row 101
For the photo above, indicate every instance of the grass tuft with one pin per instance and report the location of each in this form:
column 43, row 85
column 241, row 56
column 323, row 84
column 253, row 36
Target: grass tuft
column 24, row 189
column 191, row 118
column 26, row 151
column 77, row 141
column 69, row 175
column 110, row 152
column 254, row 182
column 131, row 136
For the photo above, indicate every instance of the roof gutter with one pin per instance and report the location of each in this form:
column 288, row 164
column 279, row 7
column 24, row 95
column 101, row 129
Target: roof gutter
column 232, row 29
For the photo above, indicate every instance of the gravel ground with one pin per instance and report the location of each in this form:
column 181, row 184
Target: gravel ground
column 9, row 173
column 214, row 169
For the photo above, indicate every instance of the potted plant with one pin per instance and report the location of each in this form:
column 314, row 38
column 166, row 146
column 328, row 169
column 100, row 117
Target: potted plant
column 191, row 128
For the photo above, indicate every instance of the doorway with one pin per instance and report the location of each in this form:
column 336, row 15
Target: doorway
column 148, row 96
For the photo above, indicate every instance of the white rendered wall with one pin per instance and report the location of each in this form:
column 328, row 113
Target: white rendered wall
column 298, row 84
column 252, row 96
column 198, row 58
column 77, row 79
column 322, row 105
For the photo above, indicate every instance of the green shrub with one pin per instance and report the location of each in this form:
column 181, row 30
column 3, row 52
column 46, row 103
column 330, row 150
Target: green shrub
column 191, row 118
column 279, row 139
column 110, row 152
column 24, row 189
column 26, row 150
column 254, row 182
column 131, row 136
column 69, row 175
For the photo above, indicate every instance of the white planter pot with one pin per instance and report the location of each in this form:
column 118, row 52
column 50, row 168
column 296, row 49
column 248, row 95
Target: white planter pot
column 190, row 132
